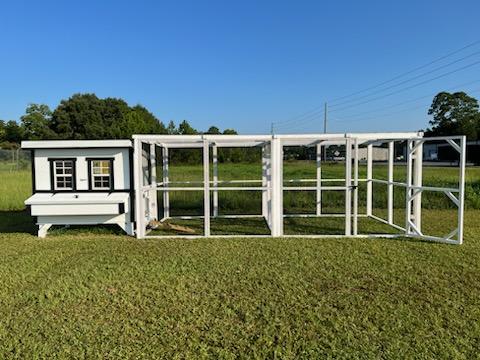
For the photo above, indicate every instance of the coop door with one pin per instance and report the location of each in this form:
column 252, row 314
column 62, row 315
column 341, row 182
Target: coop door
column 435, row 188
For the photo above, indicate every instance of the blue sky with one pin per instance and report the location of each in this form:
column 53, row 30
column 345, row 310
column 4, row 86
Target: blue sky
column 242, row 64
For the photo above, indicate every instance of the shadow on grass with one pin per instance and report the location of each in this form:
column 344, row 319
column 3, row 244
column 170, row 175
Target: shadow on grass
column 17, row 222
column 22, row 222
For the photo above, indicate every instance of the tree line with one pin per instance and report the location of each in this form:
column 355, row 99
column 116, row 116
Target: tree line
column 85, row 116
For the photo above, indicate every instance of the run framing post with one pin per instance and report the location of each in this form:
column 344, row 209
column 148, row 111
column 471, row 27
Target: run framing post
column 215, row 179
column 391, row 150
column 264, row 182
column 277, row 186
column 206, row 188
column 369, row 178
column 355, row 188
column 461, row 188
column 417, row 181
column 410, row 223
column 348, row 187
column 138, row 183
column 166, row 193
column 152, row 194
column 408, row 189
column 319, row 179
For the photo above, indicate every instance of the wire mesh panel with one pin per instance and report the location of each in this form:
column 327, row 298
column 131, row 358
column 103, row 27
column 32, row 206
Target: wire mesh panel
column 293, row 184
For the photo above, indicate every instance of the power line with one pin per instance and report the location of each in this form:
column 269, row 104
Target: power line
column 343, row 119
column 316, row 112
column 407, row 73
column 408, row 80
column 417, row 98
column 409, row 87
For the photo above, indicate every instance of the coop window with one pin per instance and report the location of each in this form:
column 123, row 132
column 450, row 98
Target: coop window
column 63, row 174
column 101, row 174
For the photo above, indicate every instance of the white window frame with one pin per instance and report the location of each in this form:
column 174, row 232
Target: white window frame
column 63, row 168
column 93, row 176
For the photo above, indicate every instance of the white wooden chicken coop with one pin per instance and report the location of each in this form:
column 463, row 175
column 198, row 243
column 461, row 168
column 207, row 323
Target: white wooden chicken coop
column 121, row 182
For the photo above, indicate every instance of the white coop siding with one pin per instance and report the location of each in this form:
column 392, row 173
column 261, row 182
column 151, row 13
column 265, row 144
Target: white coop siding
column 120, row 165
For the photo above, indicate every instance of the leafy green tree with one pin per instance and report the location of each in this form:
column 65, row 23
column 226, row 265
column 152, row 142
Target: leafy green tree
column 171, row 128
column 2, row 130
column 213, row 130
column 13, row 132
column 185, row 129
column 141, row 121
column 36, row 122
column 229, row 132
column 85, row 116
column 454, row 114
column 80, row 117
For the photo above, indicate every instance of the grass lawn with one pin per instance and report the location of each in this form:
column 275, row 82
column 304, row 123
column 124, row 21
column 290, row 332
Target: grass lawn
column 94, row 293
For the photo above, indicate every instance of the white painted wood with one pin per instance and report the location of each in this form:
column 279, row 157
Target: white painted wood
column 408, row 188
column 391, row 150
column 319, row 178
column 461, row 187
column 83, row 220
column 277, row 186
column 138, row 182
column 348, row 189
column 264, row 183
column 77, row 198
column 74, row 209
column 166, row 183
column 206, row 188
column 369, row 178
column 43, row 229
column 121, row 166
column 271, row 183
column 152, row 198
column 75, row 144
column 215, row 179
column 417, row 181
column 355, row 188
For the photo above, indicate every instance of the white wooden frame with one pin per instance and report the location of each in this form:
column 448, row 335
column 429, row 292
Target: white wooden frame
column 272, row 184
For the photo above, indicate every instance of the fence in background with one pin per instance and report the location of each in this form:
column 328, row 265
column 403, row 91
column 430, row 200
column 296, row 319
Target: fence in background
column 14, row 160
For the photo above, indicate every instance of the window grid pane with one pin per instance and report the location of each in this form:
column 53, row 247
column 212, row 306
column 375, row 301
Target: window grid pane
column 63, row 174
column 101, row 174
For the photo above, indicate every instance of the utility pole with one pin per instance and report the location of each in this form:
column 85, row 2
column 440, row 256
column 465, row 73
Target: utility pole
column 271, row 128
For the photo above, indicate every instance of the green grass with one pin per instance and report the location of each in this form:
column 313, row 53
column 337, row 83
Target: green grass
column 83, row 295
column 15, row 188
column 95, row 293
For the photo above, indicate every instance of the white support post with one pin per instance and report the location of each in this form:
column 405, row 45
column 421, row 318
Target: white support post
column 264, row 183
column 277, row 187
column 43, row 229
column 152, row 194
column 369, row 178
column 461, row 187
column 417, row 181
column 268, row 159
column 391, row 150
column 206, row 188
column 319, row 179
column 348, row 187
column 138, row 183
column 355, row 188
column 166, row 194
column 215, row 179
column 408, row 189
